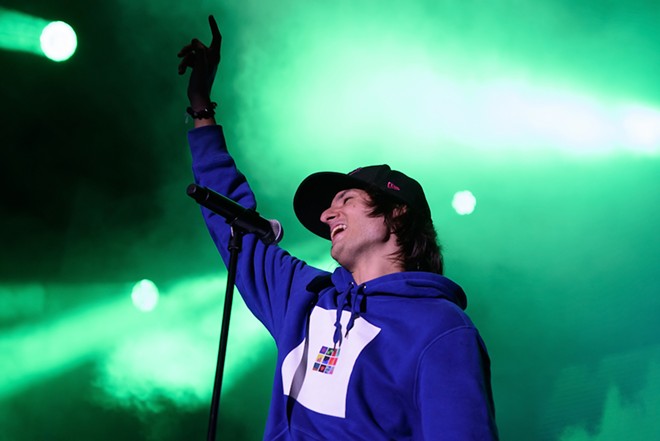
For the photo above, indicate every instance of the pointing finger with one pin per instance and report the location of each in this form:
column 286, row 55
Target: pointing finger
column 217, row 38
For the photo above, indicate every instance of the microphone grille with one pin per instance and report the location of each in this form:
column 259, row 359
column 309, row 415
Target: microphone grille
column 278, row 231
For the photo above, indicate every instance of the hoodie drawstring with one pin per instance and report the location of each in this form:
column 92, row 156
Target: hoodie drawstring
column 352, row 297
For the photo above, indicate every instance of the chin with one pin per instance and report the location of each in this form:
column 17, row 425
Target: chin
column 337, row 258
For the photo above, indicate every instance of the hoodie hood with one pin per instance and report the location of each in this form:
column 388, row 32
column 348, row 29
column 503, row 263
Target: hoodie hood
column 406, row 284
column 409, row 284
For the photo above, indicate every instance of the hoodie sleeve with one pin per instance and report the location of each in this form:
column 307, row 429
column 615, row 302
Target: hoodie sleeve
column 266, row 275
column 453, row 392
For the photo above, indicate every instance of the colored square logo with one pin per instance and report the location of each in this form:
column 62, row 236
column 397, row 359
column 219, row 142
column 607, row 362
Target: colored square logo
column 326, row 360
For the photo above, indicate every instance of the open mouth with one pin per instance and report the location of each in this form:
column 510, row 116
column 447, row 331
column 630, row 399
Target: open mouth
column 336, row 230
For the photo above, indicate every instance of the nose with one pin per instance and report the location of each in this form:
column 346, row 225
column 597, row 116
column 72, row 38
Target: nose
column 328, row 215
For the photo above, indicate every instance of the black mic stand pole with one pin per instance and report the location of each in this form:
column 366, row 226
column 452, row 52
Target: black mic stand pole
column 234, row 247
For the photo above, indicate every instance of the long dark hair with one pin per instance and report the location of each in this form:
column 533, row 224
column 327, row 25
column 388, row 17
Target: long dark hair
column 419, row 249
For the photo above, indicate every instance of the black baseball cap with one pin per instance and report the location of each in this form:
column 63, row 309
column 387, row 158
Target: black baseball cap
column 315, row 193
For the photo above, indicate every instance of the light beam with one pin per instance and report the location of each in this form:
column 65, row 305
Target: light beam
column 21, row 32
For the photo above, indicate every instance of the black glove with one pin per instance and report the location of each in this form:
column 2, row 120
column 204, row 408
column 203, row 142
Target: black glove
column 204, row 64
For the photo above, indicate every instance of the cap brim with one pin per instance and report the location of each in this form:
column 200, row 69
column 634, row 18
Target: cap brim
column 314, row 196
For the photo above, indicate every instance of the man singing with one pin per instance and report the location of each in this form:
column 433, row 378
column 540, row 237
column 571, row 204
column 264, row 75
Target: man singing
column 379, row 349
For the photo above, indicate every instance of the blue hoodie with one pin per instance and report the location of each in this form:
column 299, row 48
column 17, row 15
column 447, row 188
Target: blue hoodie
column 394, row 358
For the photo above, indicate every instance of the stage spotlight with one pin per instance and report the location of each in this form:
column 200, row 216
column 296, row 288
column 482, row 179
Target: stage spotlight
column 145, row 295
column 464, row 202
column 58, row 41
column 55, row 40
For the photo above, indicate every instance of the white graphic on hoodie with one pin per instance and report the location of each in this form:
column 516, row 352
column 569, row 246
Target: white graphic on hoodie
column 321, row 393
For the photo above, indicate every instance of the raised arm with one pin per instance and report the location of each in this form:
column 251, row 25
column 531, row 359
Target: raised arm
column 268, row 277
column 203, row 61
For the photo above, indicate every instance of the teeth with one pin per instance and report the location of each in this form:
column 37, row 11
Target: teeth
column 337, row 229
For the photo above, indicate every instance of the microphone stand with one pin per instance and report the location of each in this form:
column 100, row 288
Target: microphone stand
column 241, row 221
column 235, row 243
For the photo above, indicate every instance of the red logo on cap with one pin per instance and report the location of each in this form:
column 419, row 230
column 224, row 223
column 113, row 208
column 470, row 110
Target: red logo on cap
column 393, row 187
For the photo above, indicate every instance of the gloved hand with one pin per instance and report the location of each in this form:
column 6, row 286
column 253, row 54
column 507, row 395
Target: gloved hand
column 204, row 63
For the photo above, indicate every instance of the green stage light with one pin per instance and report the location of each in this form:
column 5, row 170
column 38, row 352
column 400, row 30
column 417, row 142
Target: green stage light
column 25, row 33
column 58, row 41
column 169, row 353
column 464, row 202
column 369, row 99
column 642, row 128
column 145, row 295
column 38, row 351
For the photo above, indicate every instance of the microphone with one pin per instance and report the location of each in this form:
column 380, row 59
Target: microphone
column 269, row 231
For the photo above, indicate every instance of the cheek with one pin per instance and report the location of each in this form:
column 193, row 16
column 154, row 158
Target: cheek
column 376, row 229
